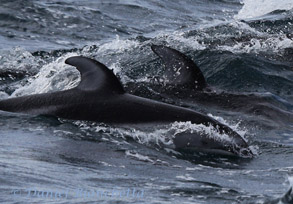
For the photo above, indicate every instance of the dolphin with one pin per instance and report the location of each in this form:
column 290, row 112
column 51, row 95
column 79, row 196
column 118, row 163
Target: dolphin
column 183, row 79
column 100, row 97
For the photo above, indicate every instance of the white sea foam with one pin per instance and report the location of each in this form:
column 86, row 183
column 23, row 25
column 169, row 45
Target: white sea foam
column 177, row 38
column 116, row 67
column 273, row 44
column 252, row 8
column 162, row 136
column 233, row 125
column 51, row 77
column 260, row 41
column 158, row 136
column 186, row 177
column 18, row 59
column 139, row 156
column 117, row 45
column 56, row 75
column 144, row 158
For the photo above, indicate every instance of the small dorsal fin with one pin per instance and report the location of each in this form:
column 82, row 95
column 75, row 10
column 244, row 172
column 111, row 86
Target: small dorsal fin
column 179, row 69
column 95, row 76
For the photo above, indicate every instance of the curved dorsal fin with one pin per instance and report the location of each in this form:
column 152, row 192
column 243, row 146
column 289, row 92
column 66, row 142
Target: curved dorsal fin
column 95, row 76
column 179, row 69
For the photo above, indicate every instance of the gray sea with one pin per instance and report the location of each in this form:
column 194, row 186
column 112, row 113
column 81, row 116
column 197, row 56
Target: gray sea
column 241, row 47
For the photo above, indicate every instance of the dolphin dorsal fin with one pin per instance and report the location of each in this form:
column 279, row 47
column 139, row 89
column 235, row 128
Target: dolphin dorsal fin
column 95, row 76
column 179, row 69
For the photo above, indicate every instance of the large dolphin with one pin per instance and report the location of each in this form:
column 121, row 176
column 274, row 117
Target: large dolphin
column 100, row 97
column 183, row 79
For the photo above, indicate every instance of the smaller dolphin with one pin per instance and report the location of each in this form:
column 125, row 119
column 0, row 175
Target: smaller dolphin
column 183, row 79
column 100, row 97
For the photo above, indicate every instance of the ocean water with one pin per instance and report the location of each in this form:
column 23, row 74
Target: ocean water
column 242, row 47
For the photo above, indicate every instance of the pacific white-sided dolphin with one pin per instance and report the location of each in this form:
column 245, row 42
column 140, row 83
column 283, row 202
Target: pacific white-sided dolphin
column 100, row 97
column 183, row 79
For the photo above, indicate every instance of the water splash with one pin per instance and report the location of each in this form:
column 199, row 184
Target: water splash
column 117, row 45
column 19, row 60
column 255, row 45
column 51, row 77
column 56, row 75
column 252, row 8
column 160, row 136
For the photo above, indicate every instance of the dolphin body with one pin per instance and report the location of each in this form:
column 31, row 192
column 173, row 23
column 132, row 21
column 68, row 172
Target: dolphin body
column 100, row 97
column 183, row 79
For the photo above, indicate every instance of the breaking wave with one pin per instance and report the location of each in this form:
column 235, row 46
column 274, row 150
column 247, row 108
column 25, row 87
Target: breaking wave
column 252, row 8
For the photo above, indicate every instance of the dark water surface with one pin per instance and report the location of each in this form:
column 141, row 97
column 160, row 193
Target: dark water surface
column 244, row 48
